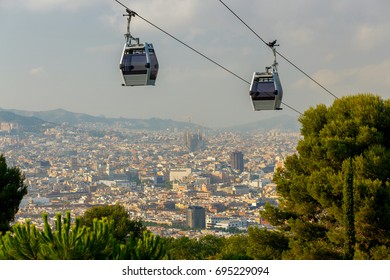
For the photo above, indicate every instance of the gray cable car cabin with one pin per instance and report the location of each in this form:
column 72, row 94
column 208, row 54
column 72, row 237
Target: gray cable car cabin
column 139, row 65
column 266, row 90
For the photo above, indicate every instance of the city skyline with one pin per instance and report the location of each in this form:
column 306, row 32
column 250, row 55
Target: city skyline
column 61, row 54
column 153, row 174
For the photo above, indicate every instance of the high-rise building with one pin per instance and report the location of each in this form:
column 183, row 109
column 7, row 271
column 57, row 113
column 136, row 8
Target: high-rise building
column 73, row 162
column 196, row 217
column 237, row 161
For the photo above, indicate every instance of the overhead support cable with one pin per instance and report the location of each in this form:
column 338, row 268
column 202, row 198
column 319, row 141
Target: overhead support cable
column 193, row 49
column 282, row 56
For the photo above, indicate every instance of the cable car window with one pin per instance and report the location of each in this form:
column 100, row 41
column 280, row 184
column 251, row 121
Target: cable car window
column 154, row 63
column 134, row 64
column 263, row 91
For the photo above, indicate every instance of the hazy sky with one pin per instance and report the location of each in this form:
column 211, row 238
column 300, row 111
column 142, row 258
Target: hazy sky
column 65, row 54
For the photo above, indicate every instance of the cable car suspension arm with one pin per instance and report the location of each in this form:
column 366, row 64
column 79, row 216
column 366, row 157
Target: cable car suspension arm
column 128, row 35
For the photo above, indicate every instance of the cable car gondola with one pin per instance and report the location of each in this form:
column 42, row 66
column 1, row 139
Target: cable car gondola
column 138, row 63
column 266, row 90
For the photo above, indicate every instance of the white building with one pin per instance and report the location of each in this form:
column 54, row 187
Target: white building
column 179, row 174
column 211, row 221
column 225, row 222
column 232, row 223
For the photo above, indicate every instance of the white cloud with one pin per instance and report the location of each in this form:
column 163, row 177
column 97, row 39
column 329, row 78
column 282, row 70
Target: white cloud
column 164, row 13
column 370, row 36
column 301, row 36
column 102, row 49
column 369, row 78
column 39, row 72
column 169, row 12
column 47, row 5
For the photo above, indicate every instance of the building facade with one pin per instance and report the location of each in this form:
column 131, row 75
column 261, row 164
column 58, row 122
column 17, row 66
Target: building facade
column 194, row 142
column 196, row 217
column 177, row 174
column 237, row 161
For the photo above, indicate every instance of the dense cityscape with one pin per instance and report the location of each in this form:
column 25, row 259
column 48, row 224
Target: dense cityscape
column 179, row 182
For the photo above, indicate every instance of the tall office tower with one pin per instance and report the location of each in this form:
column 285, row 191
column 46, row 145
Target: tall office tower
column 196, row 217
column 237, row 161
column 74, row 164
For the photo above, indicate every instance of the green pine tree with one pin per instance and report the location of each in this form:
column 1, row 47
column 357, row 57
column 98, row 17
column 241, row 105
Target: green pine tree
column 71, row 241
column 349, row 214
column 149, row 247
column 12, row 191
column 312, row 210
column 124, row 227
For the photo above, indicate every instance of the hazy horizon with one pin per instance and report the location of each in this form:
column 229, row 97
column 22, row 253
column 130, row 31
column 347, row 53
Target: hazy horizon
column 274, row 120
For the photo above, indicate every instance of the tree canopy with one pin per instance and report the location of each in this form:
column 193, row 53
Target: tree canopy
column 123, row 225
column 354, row 131
column 12, row 191
column 69, row 241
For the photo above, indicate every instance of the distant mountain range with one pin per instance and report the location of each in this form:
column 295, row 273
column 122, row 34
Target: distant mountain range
column 35, row 120
column 24, row 123
column 281, row 122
